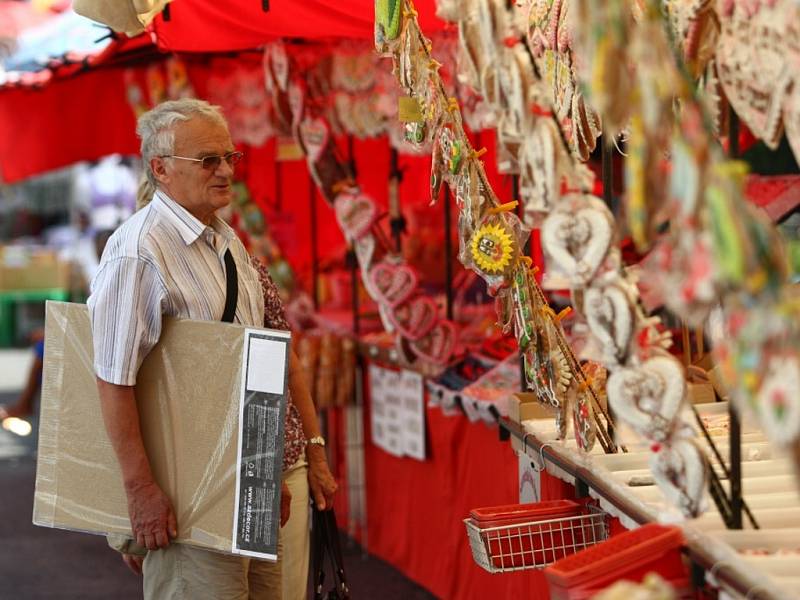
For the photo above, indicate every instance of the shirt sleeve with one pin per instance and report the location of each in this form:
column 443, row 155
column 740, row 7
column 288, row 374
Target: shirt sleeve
column 125, row 310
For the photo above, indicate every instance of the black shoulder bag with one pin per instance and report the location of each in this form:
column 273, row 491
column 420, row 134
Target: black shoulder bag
column 325, row 541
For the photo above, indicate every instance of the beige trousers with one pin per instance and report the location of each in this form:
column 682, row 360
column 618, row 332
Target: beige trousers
column 183, row 572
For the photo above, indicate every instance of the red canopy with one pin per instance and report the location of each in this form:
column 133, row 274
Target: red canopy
column 202, row 26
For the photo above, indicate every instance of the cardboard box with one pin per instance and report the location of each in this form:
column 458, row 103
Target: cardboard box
column 32, row 269
column 524, row 406
column 197, row 426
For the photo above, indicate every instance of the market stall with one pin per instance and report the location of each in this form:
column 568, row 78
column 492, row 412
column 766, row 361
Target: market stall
column 594, row 273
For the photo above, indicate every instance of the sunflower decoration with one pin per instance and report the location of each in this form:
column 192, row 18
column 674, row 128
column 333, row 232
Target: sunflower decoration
column 494, row 247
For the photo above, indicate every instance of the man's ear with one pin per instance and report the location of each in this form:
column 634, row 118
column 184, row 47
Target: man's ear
column 159, row 167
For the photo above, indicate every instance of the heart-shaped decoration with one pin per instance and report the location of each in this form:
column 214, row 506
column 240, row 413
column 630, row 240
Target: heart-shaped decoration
column 680, row 471
column 791, row 118
column 356, row 213
column 415, row 318
column 279, row 63
column 610, row 316
column 438, row 345
column 577, row 236
column 756, row 76
column 779, row 398
column 649, row 397
column 394, row 284
column 314, row 135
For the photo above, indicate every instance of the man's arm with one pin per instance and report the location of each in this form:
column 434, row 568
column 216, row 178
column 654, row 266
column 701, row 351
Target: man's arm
column 152, row 517
column 323, row 485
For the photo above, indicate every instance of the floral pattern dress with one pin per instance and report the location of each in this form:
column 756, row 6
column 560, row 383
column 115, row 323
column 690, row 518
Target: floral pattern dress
column 294, row 445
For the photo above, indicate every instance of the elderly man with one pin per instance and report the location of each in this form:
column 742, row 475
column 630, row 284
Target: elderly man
column 171, row 258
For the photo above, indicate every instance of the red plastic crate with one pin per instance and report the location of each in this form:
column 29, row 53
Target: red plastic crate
column 496, row 516
column 630, row 555
column 534, row 535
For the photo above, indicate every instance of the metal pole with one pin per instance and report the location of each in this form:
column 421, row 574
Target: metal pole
column 352, row 263
column 448, row 254
column 607, row 159
column 735, row 442
column 312, row 200
column 396, row 221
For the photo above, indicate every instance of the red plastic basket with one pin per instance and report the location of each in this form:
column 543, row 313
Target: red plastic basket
column 630, row 555
column 524, row 536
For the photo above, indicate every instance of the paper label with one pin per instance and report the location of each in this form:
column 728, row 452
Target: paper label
column 408, row 110
column 530, row 480
column 262, row 410
column 397, row 411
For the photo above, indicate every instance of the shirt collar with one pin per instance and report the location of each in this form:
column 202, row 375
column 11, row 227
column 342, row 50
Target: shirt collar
column 189, row 227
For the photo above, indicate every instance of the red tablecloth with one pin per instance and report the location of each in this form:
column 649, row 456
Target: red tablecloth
column 415, row 509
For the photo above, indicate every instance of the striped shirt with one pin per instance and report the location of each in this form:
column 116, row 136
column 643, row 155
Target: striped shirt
column 163, row 261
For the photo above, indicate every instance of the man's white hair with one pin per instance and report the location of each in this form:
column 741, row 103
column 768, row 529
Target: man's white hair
column 156, row 127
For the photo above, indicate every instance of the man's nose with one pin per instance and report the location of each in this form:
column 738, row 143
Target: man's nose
column 224, row 169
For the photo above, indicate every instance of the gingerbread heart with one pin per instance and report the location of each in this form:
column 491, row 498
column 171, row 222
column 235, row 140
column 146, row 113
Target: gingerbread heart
column 438, row 345
column 754, row 65
column 356, row 213
column 577, row 236
column 778, row 398
column 610, row 317
column 394, row 284
column 415, row 318
column 680, row 471
column 314, row 135
column 649, row 397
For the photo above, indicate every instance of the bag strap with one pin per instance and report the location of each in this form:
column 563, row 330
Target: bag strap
column 231, row 288
column 335, row 549
column 325, row 540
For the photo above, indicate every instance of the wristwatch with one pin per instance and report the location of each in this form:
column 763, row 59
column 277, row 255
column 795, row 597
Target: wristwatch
column 317, row 441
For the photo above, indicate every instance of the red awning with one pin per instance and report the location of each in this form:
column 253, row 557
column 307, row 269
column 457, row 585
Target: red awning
column 203, row 26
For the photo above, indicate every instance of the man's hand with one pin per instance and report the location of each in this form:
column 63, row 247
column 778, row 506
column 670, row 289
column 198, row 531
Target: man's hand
column 152, row 517
column 286, row 504
column 320, row 480
column 134, row 562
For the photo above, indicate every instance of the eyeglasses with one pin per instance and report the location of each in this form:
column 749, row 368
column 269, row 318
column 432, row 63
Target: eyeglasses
column 212, row 163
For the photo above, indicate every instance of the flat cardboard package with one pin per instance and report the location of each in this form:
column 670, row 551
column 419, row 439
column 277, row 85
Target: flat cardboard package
column 191, row 406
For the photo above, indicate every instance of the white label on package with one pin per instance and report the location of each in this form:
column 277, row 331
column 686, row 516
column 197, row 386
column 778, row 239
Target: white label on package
column 266, row 366
column 262, row 410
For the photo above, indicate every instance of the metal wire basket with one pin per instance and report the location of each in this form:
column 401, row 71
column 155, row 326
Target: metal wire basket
column 535, row 544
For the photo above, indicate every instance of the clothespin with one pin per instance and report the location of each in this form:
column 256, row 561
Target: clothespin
column 503, row 207
column 434, row 64
column 452, row 104
column 410, row 11
column 477, row 153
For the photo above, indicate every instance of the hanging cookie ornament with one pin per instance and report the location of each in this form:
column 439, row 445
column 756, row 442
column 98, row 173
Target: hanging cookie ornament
column 680, row 470
column 583, row 423
column 757, row 76
column 577, row 237
column 494, row 246
column 649, row 397
column 611, row 317
column 535, row 351
column 539, row 176
column 446, row 158
column 388, row 21
column 778, row 397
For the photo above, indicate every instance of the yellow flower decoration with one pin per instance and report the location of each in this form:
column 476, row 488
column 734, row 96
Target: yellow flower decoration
column 493, row 248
